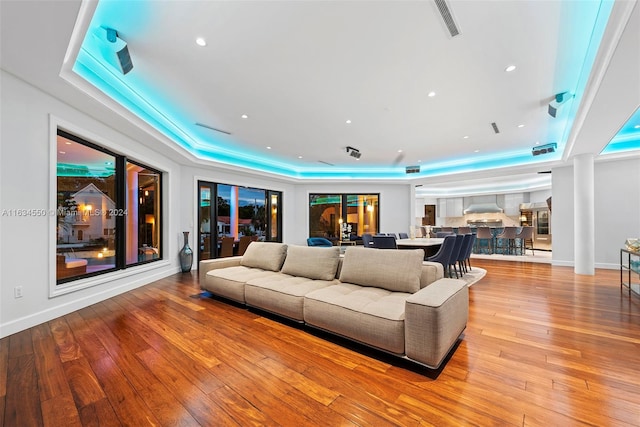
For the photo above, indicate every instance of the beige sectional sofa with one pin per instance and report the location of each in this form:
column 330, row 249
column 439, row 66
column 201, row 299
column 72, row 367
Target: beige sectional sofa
column 387, row 299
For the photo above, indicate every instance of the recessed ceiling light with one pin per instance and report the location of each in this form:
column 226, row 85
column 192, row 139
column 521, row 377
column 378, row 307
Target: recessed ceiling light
column 67, row 143
column 537, row 142
column 268, row 148
column 62, row 152
column 399, row 151
column 476, row 151
column 201, row 42
column 299, row 157
column 348, row 122
column 520, row 126
column 419, row 161
column 510, row 68
column 244, row 116
column 465, row 137
column 636, row 127
column 431, row 94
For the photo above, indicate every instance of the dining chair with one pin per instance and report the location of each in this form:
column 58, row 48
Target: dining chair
column 453, row 261
column 526, row 239
column 462, row 256
column 441, row 234
column 444, row 253
column 319, row 241
column 484, row 233
column 384, row 242
column 243, row 244
column 506, row 239
column 467, row 258
column 367, row 240
column 226, row 247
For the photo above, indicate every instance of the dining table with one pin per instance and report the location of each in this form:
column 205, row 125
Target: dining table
column 431, row 245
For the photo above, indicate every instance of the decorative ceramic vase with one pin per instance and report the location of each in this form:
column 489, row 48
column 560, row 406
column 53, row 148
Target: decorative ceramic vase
column 186, row 254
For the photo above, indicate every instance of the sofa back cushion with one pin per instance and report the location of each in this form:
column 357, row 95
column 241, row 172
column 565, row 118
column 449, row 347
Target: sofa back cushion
column 312, row 262
column 397, row 270
column 264, row 255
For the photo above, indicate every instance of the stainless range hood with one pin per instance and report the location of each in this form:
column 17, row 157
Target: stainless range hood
column 480, row 208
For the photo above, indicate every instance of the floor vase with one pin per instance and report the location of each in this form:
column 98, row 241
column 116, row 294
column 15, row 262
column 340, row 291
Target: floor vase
column 186, row 254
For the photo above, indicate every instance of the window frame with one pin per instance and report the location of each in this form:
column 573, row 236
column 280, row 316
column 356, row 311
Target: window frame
column 344, row 206
column 73, row 284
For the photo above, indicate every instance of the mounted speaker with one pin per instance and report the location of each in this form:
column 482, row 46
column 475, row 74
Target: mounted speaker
column 125, row 59
column 544, row 149
column 412, row 169
column 114, row 49
column 558, row 100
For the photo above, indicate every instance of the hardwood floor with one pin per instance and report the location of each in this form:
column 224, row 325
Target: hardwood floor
column 542, row 347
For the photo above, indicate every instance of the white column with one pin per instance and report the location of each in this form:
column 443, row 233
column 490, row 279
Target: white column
column 583, row 214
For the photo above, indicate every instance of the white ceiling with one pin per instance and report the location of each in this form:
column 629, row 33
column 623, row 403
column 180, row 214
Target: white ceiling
column 300, row 69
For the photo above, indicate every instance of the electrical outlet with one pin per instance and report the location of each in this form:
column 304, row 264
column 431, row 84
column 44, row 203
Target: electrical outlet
column 17, row 292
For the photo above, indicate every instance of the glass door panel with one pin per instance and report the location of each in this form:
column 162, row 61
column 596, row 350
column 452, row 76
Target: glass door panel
column 205, row 237
column 325, row 215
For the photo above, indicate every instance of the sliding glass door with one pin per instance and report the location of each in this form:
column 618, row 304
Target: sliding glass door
column 233, row 211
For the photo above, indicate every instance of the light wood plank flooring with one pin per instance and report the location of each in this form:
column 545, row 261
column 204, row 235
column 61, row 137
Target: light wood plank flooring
column 543, row 347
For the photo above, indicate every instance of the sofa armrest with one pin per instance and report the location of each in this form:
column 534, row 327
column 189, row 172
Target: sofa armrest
column 435, row 317
column 431, row 271
column 212, row 264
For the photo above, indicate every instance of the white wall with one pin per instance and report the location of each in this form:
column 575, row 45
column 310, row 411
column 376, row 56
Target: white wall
column 25, row 241
column 617, row 211
column 562, row 216
column 539, row 196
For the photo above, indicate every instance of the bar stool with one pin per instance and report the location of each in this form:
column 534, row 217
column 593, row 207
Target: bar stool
column 508, row 235
column 526, row 239
column 484, row 233
column 464, row 230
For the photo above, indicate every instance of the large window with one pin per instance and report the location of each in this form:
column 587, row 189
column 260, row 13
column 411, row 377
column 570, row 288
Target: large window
column 233, row 211
column 108, row 210
column 343, row 216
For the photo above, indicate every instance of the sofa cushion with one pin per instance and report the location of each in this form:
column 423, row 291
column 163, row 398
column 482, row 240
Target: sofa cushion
column 313, row 262
column 373, row 316
column 391, row 269
column 264, row 255
column 282, row 294
column 230, row 282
